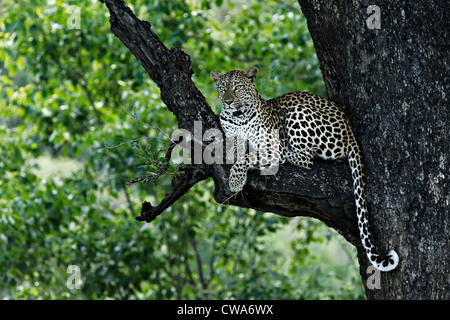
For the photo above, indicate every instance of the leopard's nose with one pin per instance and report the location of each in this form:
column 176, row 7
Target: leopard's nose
column 228, row 102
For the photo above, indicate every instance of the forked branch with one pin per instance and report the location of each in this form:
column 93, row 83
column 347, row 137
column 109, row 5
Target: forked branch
column 325, row 192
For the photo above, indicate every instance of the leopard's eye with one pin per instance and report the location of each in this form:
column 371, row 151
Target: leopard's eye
column 238, row 87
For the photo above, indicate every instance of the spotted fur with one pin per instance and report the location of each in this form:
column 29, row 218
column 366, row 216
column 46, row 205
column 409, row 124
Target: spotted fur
column 295, row 127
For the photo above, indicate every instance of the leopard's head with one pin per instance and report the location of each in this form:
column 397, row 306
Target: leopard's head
column 236, row 88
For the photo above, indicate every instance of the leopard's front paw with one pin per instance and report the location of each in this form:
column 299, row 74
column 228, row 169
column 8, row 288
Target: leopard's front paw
column 237, row 180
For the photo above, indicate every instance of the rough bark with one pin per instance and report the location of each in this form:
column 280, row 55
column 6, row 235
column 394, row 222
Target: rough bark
column 394, row 84
column 399, row 114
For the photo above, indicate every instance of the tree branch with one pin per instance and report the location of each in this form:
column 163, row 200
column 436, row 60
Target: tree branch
column 181, row 184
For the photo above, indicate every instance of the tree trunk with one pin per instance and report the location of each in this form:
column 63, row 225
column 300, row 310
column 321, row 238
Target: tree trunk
column 394, row 83
column 396, row 75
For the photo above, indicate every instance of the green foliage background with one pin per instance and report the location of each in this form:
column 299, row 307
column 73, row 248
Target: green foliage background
column 63, row 194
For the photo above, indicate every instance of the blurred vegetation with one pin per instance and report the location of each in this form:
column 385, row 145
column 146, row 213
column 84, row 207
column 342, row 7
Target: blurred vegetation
column 63, row 194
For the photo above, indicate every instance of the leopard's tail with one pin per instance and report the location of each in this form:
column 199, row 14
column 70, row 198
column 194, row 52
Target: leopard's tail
column 390, row 261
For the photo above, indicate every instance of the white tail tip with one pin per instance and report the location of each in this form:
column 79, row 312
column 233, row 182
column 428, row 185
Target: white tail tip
column 390, row 263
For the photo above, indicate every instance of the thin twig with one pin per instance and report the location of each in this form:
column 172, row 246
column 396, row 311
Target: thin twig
column 169, row 173
column 131, row 141
column 156, row 127
column 223, row 202
column 199, row 261
column 243, row 244
column 288, row 6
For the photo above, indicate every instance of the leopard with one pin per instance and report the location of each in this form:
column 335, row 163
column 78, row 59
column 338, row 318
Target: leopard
column 295, row 127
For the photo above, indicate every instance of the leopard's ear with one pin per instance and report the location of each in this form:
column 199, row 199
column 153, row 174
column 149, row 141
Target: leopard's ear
column 215, row 75
column 251, row 73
